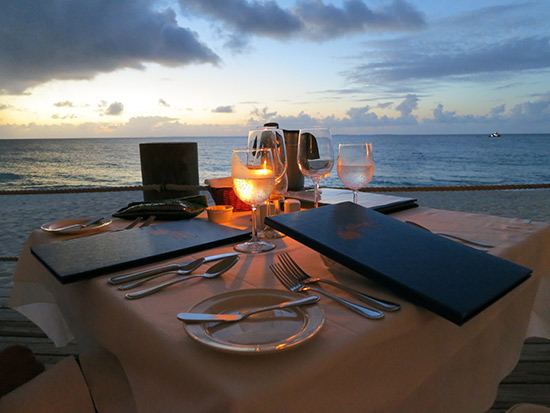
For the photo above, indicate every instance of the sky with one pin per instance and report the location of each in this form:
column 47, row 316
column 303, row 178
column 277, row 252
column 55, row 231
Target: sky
column 148, row 68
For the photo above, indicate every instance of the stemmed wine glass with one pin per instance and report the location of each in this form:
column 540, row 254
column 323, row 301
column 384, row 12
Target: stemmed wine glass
column 355, row 165
column 271, row 137
column 315, row 156
column 253, row 174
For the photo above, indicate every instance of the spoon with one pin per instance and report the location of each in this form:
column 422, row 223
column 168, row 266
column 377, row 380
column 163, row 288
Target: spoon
column 212, row 272
column 199, row 317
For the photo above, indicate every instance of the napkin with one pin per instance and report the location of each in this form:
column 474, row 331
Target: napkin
column 168, row 209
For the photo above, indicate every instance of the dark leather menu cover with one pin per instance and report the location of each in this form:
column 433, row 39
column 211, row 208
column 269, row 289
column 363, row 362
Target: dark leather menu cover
column 450, row 279
column 386, row 204
column 99, row 254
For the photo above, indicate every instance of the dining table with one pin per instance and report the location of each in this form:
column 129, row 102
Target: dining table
column 137, row 356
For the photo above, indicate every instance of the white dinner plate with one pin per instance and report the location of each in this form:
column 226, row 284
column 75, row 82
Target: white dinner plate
column 268, row 332
column 57, row 226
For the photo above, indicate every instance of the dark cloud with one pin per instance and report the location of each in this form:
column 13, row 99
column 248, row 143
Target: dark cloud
column 223, row 109
column 325, row 21
column 311, row 19
column 162, row 102
column 480, row 45
column 76, row 39
column 247, row 17
column 402, row 63
column 115, row 109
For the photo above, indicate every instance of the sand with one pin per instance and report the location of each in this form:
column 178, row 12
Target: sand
column 23, row 213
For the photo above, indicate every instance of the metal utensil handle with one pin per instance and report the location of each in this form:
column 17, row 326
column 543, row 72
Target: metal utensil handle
column 469, row 241
column 375, row 302
column 120, row 279
column 81, row 226
column 363, row 311
column 143, row 293
column 143, row 280
column 287, row 304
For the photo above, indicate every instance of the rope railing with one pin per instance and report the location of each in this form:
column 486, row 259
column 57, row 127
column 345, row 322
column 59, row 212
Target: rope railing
column 175, row 187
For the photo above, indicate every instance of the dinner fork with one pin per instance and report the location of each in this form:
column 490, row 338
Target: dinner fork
column 148, row 221
column 301, row 276
column 291, row 284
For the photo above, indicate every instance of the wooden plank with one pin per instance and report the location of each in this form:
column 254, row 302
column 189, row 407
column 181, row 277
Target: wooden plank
column 508, row 395
column 529, row 372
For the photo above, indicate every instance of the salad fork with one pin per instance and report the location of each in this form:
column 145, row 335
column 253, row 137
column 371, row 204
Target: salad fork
column 301, row 276
column 291, row 284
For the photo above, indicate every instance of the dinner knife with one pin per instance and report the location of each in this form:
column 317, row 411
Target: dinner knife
column 200, row 317
column 81, row 226
column 120, row 279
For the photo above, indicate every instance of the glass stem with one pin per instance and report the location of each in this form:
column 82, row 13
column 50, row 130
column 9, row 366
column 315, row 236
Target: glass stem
column 355, row 196
column 316, row 182
column 254, row 220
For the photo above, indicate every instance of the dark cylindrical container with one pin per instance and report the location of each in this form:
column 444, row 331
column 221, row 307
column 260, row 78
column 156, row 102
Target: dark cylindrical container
column 295, row 177
column 169, row 163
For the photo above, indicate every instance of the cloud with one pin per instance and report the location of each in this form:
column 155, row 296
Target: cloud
column 405, row 64
column 247, row 17
column 481, row 45
column 408, row 105
column 223, row 109
column 65, row 104
column 312, row 19
column 527, row 117
column 326, row 21
column 115, row 109
column 162, row 102
column 80, row 38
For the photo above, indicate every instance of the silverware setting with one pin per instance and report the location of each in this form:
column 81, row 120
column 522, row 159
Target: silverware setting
column 228, row 318
column 183, row 268
column 212, row 272
column 290, row 266
column 456, row 237
column 289, row 280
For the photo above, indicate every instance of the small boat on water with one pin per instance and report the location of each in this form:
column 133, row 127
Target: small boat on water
column 494, row 135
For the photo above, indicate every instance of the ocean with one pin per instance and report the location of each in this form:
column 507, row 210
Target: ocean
column 400, row 160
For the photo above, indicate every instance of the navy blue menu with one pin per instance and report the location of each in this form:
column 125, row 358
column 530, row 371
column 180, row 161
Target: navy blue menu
column 87, row 257
column 450, row 279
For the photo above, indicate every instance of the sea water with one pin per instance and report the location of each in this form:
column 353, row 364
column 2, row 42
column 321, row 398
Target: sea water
column 400, row 160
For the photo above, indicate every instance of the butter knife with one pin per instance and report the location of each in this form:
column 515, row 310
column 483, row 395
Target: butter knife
column 120, row 279
column 200, row 317
column 80, row 226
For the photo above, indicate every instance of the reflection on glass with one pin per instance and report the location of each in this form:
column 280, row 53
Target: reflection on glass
column 315, row 155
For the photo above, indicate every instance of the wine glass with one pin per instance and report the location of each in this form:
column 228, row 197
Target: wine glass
column 355, row 165
column 271, row 137
column 253, row 174
column 315, row 157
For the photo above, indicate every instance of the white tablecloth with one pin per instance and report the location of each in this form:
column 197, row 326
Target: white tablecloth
column 411, row 361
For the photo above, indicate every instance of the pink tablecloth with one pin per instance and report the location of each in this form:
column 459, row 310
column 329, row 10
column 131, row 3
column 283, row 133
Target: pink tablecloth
column 411, row 361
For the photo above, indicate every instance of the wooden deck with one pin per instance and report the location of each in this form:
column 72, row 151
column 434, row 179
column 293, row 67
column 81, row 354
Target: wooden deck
column 528, row 383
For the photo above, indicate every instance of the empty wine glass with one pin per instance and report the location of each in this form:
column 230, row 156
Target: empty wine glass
column 315, row 155
column 271, row 137
column 253, row 174
column 355, row 165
